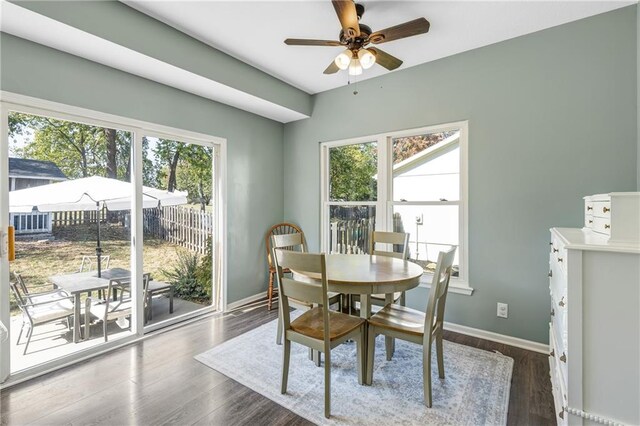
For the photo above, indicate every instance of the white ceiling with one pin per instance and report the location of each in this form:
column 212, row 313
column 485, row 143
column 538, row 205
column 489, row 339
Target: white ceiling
column 253, row 31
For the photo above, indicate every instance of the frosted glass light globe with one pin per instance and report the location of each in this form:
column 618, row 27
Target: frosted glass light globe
column 354, row 67
column 343, row 60
column 367, row 59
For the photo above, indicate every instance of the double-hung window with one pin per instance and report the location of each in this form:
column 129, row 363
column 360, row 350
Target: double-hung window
column 412, row 181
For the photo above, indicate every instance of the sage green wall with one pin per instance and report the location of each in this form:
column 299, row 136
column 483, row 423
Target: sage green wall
column 255, row 167
column 552, row 117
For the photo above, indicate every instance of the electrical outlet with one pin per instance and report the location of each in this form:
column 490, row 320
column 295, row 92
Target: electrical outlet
column 503, row 310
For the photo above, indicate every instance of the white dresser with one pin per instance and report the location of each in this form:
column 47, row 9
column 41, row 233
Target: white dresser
column 595, row 315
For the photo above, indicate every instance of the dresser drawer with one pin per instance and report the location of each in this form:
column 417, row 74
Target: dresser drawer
column 602, row 209
column 602, row 225
column 557, row 278
column 557, row 384
column 588, row 221
column 559, row 323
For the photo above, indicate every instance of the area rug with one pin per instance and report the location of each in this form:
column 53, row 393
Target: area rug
column 474, row 392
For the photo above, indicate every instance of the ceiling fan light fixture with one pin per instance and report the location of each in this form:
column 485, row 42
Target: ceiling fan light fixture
column 367, row 59
column 355, row 68
column 343, row 60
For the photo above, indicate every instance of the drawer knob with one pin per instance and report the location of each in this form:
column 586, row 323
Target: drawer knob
column 606, row 209
column 552, row 353
column 561, row 302
column 559, row 259
column 590, row 221
column 561, row 415
column 563, row 357
column 607, row 226
column 555, row 250
column 589, row 207
column 553, row 312
column 550, row 274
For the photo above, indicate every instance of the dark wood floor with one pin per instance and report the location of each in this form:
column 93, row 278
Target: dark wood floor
column 157, row 381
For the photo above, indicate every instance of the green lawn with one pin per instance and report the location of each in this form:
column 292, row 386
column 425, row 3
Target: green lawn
column 36, row 261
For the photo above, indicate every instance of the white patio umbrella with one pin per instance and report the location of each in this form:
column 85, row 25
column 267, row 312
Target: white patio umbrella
column 91, row 193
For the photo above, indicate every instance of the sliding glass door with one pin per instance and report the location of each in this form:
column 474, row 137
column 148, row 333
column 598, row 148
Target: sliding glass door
column 179, row 239
column 119, row 230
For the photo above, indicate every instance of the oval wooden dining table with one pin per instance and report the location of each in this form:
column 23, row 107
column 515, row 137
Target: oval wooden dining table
column 365, row 275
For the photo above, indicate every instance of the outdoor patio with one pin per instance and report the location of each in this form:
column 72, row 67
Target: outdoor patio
column 54, row 340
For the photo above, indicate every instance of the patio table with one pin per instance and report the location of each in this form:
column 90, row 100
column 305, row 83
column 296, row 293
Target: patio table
column 84, row 282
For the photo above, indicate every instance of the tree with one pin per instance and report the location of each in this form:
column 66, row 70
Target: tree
column 112, row 152
column 80, row 150
column 168, row 153
column 352, row 170
column 195, row 175
column 404, row 148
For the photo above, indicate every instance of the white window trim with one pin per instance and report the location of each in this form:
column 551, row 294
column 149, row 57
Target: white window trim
column 16, row 102
column 384, row 205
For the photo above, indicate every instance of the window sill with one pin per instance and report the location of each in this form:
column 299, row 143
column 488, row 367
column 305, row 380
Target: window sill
column 456, row 285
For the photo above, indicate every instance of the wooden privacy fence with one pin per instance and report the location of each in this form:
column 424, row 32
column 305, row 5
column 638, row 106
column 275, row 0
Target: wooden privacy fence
column 351, row 236
column 180, row 225
column 183, row 226
column 77, row 217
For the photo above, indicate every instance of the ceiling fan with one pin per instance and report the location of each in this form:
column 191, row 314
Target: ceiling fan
column 355, row 37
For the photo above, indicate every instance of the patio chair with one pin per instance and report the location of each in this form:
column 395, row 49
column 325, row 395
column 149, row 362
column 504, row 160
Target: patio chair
column 42, row 296
column 90, row 263
column 40, row 308
column 106, row 310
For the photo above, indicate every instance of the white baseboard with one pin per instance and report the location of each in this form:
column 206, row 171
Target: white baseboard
column 500, row 338
column 462, row 329
column 238, row 303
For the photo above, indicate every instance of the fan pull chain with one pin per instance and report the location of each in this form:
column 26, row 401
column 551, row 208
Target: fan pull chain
column 355, row 83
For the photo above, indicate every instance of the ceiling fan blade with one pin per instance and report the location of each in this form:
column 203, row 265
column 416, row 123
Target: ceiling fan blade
column 408, row 29
column 332, row 68
column 346, row 11
column 307, row 42
column 384, row 59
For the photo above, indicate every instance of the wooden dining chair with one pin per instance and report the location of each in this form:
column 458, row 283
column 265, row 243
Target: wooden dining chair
column 277, row 229
column 319, row 328
column 399, row 242
column 296, row 243
column 415, row 326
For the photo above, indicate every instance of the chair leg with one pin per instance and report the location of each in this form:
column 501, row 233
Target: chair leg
column 29, row 334
column 20, row 335
column 327, row 384
column 360, row 355
column 270, row 290
column 171, row 300
column 440, row 355
column 280, row 325
column 149, row 307
column 371, row 353
column 403, row 299
column 286, row 352
column 104, row 329
column 426, row 373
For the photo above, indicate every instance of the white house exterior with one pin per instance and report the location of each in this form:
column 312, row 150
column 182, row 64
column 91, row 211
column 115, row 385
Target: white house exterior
column 26, row 173
column 430, row 178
